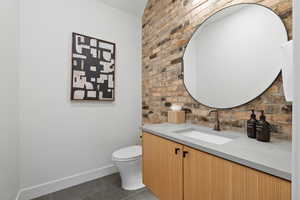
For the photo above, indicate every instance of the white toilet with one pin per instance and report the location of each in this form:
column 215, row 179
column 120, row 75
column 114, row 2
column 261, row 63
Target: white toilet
column 129, row 162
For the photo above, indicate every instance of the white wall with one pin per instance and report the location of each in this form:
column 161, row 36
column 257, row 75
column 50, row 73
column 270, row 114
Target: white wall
column 296, row 105
column 60, row 138
column 9, row 117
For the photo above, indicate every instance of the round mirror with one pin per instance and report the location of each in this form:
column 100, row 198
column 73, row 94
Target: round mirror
column 234, row 56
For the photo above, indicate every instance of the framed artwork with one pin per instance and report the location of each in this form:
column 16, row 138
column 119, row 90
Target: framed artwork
column 93, row 69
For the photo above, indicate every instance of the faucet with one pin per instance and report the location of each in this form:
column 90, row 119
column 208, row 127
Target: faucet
column 217, row 124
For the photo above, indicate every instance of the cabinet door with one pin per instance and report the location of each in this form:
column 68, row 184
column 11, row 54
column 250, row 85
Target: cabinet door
column 207, row 177
column 162, row 167
column 261, row 186
column 197, row 175
column 228, row 180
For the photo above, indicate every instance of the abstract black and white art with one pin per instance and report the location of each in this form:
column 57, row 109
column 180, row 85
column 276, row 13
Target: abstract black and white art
column 93, row 69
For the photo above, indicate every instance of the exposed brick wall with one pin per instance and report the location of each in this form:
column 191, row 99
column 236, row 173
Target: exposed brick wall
column 167, row 27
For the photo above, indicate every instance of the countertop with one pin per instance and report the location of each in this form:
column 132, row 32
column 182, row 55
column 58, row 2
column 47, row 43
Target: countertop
column 274, row 158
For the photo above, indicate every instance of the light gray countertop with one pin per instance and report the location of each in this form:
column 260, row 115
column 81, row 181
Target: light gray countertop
column 274, row 158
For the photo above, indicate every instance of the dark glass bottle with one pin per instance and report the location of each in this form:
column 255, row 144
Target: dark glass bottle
column 263, row 129
column 251, row 126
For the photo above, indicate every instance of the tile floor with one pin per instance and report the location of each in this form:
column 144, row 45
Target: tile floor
column 106, row 188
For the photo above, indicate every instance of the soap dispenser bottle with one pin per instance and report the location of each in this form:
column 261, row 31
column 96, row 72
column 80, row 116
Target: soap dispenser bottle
column 263, row 129
column 251, row 126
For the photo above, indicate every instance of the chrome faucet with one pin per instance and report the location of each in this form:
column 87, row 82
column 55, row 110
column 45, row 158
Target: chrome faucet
column 217, row 123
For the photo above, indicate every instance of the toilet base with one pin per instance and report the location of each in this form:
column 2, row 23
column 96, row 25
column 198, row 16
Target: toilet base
column 131, row 174
column 133, row 187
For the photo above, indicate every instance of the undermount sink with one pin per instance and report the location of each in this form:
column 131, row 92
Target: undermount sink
column 206, row 137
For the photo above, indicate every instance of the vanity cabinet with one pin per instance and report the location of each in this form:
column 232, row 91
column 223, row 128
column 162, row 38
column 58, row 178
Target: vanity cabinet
column 208, row 177
column 162, row 167
column 176, row 172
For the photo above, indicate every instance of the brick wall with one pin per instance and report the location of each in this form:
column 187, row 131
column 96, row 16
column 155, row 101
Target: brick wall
column 167, row 27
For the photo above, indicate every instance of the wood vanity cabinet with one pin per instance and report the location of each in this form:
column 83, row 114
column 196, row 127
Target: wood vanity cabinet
column 176, row 172
column 208, row 177
column 162, row 167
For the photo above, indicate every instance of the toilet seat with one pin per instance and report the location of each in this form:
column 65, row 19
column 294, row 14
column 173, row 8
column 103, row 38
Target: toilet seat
column 127, row 154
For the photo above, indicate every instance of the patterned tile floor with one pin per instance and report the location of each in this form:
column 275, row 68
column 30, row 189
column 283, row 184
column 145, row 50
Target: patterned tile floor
column 106, row 188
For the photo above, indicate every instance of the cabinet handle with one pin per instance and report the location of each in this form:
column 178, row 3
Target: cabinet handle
column 185, row 153
column 177, row 150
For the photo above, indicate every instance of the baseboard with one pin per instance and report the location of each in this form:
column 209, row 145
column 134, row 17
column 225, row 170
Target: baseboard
column 60, row 184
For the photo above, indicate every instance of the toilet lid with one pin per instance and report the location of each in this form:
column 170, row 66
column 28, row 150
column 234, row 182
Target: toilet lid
column 128, row 153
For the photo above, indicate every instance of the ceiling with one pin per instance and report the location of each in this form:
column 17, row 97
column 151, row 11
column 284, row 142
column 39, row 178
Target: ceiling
column 133, row 6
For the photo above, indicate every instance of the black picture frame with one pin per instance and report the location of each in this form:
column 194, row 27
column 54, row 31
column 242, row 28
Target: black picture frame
column 93, row 69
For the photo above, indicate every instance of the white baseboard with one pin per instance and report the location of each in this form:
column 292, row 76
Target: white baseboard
column 60, row 184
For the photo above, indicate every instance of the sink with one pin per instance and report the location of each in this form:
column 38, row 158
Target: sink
column 206, row 137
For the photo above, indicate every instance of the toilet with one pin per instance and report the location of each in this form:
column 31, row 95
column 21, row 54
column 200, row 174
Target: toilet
column 129, row 162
